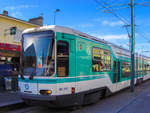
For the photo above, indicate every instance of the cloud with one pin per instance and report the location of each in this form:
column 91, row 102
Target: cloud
column 20, row 7
column 86, row 25
column 142, row 45
column 97, row 19
column 112, row 37
column 112, row 24
column 143, row 48
column 122, row 36
column 80, row 26
column 17, row 14
column 16, row 11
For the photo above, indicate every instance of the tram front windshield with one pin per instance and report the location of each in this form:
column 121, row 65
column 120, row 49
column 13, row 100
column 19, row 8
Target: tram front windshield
column 38, row 54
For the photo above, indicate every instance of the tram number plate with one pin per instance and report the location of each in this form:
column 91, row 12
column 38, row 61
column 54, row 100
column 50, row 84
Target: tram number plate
column 28, row 91
column 26, row 87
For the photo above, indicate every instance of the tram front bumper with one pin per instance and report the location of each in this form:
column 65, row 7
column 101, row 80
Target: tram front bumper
column 37, row 97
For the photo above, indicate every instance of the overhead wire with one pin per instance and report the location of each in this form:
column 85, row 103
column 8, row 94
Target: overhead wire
column 121, row 18
column 112, row 12
column 142, row 34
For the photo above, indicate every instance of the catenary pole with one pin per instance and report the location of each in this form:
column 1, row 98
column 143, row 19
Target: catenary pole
column 132, row 46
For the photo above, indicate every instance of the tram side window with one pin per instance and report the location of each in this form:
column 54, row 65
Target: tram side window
column 101, row 60
column 146, row 67
column 62, row 58
column 125, row 69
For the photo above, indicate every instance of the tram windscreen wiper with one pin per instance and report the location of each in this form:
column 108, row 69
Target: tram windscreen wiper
column 21, row 71
column 31, row 76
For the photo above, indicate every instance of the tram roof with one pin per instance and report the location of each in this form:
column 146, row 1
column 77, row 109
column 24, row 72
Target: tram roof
column 68, row 30
column 71, row 31
column 64, row 30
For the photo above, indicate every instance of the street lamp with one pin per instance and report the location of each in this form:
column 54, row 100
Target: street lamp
column 57, row 10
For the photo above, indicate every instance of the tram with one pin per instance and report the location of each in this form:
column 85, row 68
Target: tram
column 64, row 67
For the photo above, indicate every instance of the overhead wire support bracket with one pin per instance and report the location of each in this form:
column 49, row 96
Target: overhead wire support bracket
column 107, row 11
column 143, row 3
column 111, row 6
column 111, row 11
column 126, row 27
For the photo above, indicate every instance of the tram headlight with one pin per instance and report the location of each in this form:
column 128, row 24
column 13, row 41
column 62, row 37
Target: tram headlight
column 45, row 92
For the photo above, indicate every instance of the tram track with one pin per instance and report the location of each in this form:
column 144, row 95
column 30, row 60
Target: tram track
column 14, row 107
column 23, row 108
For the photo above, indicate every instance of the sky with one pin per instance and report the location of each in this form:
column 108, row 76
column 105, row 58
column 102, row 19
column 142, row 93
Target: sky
column 90, row 17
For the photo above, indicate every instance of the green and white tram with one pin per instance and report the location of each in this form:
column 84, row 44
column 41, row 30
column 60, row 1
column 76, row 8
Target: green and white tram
column 64, row 67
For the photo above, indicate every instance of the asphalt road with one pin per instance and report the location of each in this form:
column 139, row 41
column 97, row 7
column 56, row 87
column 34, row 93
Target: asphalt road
column 121, row 102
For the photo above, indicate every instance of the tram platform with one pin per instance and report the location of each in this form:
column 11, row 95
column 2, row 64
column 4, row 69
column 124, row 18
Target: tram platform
column 8, row 98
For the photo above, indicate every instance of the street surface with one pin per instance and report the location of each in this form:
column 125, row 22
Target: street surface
column 121, row 102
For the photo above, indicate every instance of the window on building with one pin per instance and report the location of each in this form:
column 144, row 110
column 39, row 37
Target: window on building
column 101, row 60
column 125, row 69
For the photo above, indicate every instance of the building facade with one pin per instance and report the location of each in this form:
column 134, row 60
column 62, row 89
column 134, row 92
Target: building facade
column 10, row 36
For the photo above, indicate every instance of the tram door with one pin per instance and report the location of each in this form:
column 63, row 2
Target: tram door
column 66, row 64
column 116, row 73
